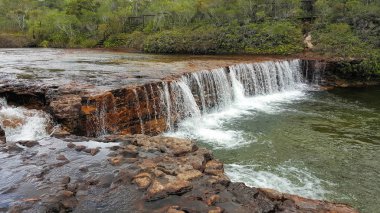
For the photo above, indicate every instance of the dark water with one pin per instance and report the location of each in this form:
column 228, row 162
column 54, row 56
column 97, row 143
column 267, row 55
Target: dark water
column 319, row 144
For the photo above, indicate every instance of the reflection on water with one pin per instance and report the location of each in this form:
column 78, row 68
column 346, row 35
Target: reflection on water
column 312, row 143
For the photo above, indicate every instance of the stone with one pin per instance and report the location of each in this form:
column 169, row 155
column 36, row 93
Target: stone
column 61, row 157
column 80, row 148
column 116, row 161
column 156, row 191
column 14, row 123
column 142, row 182
column 28, row 144
column 219, row 179
column 175, row 209
column 71, row 145
column 3, row 139
column 214, row 167
column 83, row 169
column 67, row 108
column 216, row 210
column 212, row 200
column 178, row 187
column 66, row 180
column 67, row 193
column 93, row 151
column 70, row 203
column 190, row 175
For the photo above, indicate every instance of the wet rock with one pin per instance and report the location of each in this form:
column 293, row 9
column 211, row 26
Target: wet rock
column 83, row 169
column 106, row 180
column 66, row 180
column 220, row 179
column 216, row 210
column 116, row 161
column 71, row 145
column 67, row 109
column 189, row 175
column 214, row 167
column 14, row 123
column 28, row 144
column 212, row 200
column 3, row 139
column 147, row 164
column 143, row 180
column 159, row 190
column 70, row 203
column 61, row 157
column 67, row 193
column 13, row 147
column 80, row 148
column 174, row 146
column 175, row 209
column 93, row 151
column 131, row 160
column 156, row 191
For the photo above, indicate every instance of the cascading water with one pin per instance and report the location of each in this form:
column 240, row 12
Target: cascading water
column 204, row 92
column 23, row 124
column 205, row 105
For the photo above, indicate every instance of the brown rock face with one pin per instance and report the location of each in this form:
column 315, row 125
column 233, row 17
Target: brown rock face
column 2, row 136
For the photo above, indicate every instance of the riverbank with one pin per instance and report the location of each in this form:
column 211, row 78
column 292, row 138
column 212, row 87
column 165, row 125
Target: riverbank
column 131, row 173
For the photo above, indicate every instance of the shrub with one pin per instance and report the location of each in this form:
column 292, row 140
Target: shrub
column 339, row 40
column 265, row 38
column 272, row 38
column 135, row 40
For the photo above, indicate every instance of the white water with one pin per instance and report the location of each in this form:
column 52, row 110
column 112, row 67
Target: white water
column 22, row 124
column 208, row 100
column 284, row 178
column 223, row 95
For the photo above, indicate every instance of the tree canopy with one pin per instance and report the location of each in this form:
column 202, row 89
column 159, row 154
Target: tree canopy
column 341, row 27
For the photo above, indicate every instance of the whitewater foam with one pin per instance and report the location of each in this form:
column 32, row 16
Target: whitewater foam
column 210, row 128
column 284, row 178
column 22, row 124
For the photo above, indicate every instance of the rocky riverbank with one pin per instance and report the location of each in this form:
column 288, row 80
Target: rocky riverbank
column 131, row 174
column 128, row 172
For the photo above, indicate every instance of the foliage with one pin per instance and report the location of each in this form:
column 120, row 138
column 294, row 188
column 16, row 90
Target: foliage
column 339, row 40
column 344, row 28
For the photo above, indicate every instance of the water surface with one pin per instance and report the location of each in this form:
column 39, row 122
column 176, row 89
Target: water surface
column 318, row 144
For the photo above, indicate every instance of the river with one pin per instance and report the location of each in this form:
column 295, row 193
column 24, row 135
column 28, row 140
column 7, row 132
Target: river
column 318, row 144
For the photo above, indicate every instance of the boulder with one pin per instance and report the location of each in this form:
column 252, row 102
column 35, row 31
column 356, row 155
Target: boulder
column 2, row 136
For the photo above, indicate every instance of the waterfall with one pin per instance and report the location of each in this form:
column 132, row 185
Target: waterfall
column 139, row 111
column 198, row 93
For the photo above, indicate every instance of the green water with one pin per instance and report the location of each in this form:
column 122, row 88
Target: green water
column 321, row 144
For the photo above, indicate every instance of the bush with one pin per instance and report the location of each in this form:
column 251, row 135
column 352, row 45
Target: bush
column 134, row 40
column 339, row 40
column 88, row 43
column 265, row 38
column 272, row 38
column 44, row 44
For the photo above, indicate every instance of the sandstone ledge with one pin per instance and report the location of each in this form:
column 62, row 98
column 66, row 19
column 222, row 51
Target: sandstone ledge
column 141, row 174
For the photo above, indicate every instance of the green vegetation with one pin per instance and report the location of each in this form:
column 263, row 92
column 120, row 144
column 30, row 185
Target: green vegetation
column 339, row 28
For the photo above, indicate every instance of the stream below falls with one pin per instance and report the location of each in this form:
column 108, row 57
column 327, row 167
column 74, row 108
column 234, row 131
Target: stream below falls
column 317, row 144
